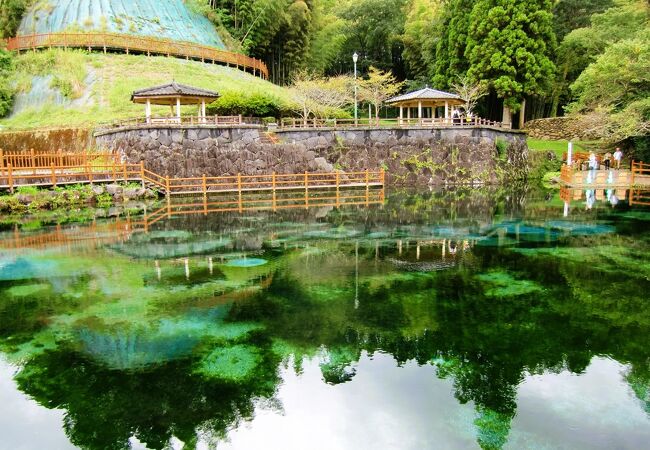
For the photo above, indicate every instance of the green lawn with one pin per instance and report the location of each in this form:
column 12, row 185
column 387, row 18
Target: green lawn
column 560, row 147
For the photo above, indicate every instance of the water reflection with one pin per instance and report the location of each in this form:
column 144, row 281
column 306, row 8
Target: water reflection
column 485, row 316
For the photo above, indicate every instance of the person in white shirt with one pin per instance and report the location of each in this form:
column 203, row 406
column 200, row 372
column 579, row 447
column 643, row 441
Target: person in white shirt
column 618, row 156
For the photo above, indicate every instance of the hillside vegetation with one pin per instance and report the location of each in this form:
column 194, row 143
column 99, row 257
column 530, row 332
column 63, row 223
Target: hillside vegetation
column 57, row 88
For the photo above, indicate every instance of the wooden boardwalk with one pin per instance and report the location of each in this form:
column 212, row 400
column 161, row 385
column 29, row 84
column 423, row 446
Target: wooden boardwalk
column 138, row 44
column 56, row 169
column 638, row 175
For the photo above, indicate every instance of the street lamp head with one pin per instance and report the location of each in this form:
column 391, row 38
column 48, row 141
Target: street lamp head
column 355, row 57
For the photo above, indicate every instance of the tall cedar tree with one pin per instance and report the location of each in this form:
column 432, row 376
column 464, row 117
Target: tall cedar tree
column 509, row 46
column 449, row 60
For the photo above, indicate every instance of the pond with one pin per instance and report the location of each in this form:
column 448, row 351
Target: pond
column 490, row 318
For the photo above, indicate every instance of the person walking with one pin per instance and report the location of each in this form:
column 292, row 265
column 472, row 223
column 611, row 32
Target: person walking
column 618, row 156
column 607, row 159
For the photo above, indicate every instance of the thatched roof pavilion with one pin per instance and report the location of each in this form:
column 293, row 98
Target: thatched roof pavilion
column 426, row 101
column 174, row 94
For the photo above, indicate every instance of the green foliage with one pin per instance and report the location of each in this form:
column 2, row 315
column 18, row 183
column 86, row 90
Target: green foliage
column 11, row 13
column 7, row 91
column 618, row 84
column 572, row 14
column 509, row 47
column 255, row 104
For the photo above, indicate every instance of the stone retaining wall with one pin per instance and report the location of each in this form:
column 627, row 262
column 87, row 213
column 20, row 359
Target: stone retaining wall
column 561, row 128
column 410, row 156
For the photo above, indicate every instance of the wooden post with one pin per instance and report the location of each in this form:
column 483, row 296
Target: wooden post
column 89, row 172
column 241, row 207
column 367, row 187
column 11, row 178
column 205, row 196
column 632, row 175
column 142, row 174
column 383, row 177
column 2, row 159
column 273, row 188
column 124, row 172
column 338, row 191
column 167, row 190
column 33, row 160
column 53, row 176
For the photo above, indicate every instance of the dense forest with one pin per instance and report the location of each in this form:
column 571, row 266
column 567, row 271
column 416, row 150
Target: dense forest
column 590, row 57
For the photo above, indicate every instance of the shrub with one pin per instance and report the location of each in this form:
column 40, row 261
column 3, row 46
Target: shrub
column 11, row 13
column 255, row 105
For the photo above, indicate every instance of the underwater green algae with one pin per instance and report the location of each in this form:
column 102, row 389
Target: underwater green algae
column 235, row 364
column 503, row 284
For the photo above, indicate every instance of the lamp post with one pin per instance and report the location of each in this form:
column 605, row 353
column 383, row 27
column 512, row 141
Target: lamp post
column 355, row 58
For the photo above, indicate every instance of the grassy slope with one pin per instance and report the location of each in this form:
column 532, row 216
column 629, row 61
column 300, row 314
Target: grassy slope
column 560, row 147
column 115, row 77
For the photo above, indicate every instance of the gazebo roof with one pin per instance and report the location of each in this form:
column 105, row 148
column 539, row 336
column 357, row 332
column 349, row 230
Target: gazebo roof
column 425, row 94
column 168, row 93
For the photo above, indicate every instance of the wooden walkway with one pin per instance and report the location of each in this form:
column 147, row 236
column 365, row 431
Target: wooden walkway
column 638, row 175
column 138, row 44
column 56, row 169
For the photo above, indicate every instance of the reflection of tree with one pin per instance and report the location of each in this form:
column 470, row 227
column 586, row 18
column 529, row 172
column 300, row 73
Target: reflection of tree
column 104, row 408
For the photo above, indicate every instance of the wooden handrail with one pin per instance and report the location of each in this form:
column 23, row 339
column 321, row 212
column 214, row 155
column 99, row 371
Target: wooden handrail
column 297, row 123
column 129, row 43
column 80, row 170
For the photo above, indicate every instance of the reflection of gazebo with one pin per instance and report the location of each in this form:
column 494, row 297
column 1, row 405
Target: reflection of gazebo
column 174, row 94
column 427, row 101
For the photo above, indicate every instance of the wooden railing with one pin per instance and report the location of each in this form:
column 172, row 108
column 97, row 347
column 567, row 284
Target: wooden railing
column 37, row 160
column 639, row 197
column 291, row 123
column 140, row 44
column 566, row 174
column 182, row 121
column 56, row 174
column 639, row 169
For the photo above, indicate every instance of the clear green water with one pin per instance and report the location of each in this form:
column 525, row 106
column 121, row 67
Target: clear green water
column 462, row 319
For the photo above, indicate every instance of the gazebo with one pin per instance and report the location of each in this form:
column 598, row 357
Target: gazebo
column 426, row 101
column 174, row 95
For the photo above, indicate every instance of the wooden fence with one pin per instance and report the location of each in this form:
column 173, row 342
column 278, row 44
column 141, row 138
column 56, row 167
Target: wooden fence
column 640, row 172
column 639, row 197
column 291, row 123
column 54, row 173
column 139, row 44
column 183, row 121
column 35, row 160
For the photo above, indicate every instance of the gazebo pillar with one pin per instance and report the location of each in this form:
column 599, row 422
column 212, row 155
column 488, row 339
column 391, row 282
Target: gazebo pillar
column 408, row 113
column 147, row 110
column 178, row 109
column 401, row 114
column 446, row 110
column 420, row 110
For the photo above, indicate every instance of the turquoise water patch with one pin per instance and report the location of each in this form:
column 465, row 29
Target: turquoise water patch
column 246, row 262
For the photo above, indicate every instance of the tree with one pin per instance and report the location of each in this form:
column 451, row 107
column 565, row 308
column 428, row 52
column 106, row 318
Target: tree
column 509, row 47
column 6, row 90
column 448, row 56
column 583, row 45
column 378, row 87
column 616, row 88
column 572, row 14
column 320, row 96
column 11, row 13
column 470, row 92
column 419, row 36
